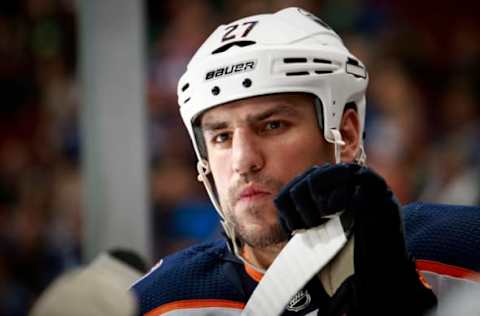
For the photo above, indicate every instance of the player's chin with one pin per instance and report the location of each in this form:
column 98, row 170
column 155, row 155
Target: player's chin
column 261, row 218
column 263, row 236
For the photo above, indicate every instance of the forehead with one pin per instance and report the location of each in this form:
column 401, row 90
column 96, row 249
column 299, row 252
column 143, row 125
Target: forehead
column 299, row 103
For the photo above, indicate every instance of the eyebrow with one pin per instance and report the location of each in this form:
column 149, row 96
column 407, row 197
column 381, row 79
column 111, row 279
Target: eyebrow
column 283, row 109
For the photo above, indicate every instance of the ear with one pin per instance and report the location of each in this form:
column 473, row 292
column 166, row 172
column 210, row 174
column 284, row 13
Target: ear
column 350, row 130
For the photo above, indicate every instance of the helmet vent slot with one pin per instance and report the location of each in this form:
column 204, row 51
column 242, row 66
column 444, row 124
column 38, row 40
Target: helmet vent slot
column 322, row 61
column 188, row 99
column 294, row 60
column 303, row 66
column 226, row 47
column 298, row 73
column 185, row 87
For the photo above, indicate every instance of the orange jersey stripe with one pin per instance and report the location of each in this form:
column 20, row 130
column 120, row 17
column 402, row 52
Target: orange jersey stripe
column 442, row 268
column 165, row 308
column 254, row 274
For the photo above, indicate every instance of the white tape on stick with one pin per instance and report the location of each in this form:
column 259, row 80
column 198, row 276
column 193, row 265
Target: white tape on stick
column 301, row 259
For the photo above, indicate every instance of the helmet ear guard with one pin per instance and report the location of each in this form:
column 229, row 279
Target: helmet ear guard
column 290, row 51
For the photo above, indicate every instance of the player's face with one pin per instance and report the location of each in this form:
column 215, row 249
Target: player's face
column 256, row 146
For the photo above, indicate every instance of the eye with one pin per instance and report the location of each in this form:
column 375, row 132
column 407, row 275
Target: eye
column 221, row 138
column 273, row 125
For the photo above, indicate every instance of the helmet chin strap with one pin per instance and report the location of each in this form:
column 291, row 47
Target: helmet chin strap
column 336, row 139
column 361, row 158
column 203, row 169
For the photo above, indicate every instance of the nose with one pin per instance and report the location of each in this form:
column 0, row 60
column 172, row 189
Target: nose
column 247, row 154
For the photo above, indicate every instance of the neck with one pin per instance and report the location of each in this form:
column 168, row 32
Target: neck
column 261, row 258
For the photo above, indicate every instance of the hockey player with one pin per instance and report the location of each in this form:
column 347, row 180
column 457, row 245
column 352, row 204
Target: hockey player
column 275, row 107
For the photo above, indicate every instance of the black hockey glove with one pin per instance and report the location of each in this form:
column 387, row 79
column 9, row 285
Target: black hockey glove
column 319, row 192
column 385, row 280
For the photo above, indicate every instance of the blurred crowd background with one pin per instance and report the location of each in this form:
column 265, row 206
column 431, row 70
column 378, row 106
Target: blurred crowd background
column 422, row 120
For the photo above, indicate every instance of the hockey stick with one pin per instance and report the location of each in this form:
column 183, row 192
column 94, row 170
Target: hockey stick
column 301, row 259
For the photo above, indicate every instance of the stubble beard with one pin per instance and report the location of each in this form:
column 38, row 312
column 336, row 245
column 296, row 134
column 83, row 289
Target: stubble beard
column 270, row 234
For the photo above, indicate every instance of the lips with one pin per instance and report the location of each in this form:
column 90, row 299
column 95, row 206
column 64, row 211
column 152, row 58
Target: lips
column 252, row 192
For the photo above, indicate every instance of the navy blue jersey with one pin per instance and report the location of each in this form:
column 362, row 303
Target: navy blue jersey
column 445, row 242
column 445, row 234
column 207, row 279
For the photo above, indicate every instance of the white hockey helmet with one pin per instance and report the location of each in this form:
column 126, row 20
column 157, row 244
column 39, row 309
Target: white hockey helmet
column 288, row 51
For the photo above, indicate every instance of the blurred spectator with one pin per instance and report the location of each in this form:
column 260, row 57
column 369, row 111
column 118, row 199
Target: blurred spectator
column 396, row 127
column 182, row 213
column 37, row 57
column 99, row 289
column 453, row 175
